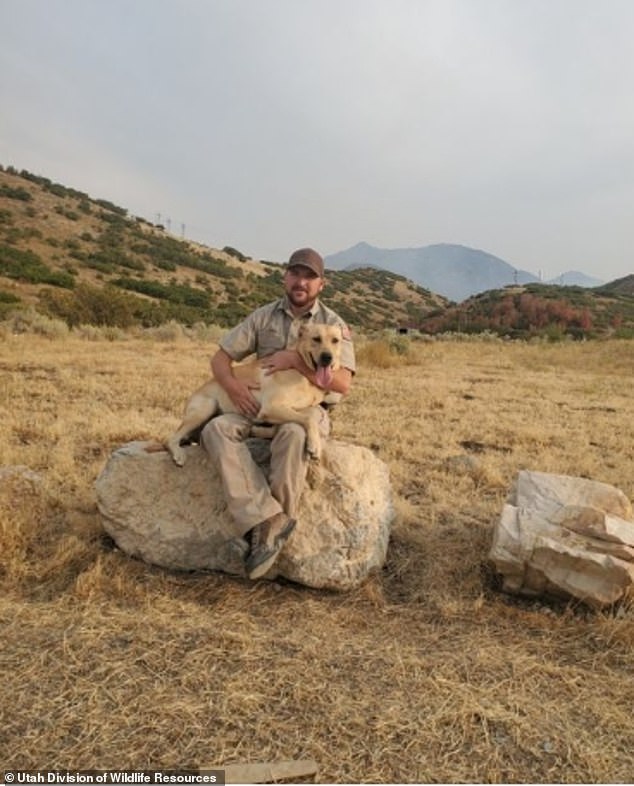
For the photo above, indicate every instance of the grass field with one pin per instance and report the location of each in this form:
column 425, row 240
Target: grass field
column 426, row 673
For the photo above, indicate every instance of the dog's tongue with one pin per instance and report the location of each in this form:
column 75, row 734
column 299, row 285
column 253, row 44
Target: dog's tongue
column 324, row 377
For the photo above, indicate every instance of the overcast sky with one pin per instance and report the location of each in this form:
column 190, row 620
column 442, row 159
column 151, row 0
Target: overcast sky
column 504, row 125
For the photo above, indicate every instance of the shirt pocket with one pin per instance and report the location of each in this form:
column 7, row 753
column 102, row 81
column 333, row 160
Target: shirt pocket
column 269, row 341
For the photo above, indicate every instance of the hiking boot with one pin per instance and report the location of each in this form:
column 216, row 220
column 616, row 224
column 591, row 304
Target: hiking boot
column 267, row 539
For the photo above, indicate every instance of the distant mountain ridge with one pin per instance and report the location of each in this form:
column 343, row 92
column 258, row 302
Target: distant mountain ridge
column 574, row 278
column 453, row 271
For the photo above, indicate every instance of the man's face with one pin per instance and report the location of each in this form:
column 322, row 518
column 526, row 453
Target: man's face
column 302, row 286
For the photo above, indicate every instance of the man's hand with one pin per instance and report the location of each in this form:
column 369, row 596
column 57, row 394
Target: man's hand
column 281, row 360
column 285, row 359
column 237, row 390
column 242, row 397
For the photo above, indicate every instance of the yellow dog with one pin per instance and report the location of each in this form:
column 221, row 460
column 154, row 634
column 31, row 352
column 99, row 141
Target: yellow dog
column 284, row 396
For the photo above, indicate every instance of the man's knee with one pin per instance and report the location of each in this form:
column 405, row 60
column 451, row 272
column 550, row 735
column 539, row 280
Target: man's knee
column 225, row 427
column 291, row 433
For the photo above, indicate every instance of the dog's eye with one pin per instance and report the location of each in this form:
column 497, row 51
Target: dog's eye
column 317, row 339
column 335, row 340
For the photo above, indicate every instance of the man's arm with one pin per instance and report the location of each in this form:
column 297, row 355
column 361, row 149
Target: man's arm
column 240, row 393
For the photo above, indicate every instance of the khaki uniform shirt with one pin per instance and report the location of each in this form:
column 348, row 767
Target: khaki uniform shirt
column 273, row 327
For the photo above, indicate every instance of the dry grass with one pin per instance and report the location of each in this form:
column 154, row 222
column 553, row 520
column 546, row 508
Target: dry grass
column 426, row 673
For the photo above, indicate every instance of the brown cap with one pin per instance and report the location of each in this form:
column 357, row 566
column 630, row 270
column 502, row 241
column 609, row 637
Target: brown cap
column 306, row 257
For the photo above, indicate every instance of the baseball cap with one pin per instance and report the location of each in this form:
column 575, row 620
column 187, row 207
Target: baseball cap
column 309, row 258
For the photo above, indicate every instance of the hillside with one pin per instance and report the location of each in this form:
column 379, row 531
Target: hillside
column 622, row 286
column 87, row 260
column 542, row 310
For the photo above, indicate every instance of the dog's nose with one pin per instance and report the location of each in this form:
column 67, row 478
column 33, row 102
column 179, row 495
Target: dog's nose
column 325, row 359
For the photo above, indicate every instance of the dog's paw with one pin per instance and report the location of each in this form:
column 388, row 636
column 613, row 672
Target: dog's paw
column 178, row 454
column 313, row 451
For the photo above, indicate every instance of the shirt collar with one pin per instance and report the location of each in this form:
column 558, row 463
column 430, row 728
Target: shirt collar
column 285, row 305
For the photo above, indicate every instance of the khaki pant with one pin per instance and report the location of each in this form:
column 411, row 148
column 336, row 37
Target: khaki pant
column 250, row 496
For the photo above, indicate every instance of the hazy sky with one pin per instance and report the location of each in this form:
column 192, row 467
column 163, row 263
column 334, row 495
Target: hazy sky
column 505, row 125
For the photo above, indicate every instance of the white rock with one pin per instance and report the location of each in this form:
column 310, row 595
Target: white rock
column 10, row 471
column 176, row 517
column 566, row 536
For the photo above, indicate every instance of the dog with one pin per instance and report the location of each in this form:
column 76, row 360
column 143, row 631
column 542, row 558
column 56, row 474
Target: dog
column 284, row 396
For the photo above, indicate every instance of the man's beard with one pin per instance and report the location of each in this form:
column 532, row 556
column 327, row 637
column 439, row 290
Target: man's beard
column 300, row 298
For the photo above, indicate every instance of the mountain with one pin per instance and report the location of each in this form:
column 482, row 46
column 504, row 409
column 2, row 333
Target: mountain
column 88, row 261
column 454, row 271
column 573, row 278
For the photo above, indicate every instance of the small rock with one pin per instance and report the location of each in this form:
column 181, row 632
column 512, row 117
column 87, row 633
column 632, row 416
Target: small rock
column 19, row 471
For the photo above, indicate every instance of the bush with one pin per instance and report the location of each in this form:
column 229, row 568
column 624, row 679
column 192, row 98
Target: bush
column 120, row 211
column 8, row 303
column 381, row 353
column 30, row 321
column 70, row 214
column 169, row 331
column 399, row 344
column 27, row 266
column 207, row 333
column 233, row 252
column 8, row 297
column 15, row 193
column 175, row 293
column 91, row 305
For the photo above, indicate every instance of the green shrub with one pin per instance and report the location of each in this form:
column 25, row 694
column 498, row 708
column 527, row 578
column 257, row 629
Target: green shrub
column 8, row 297
column 18, row 192
column 233, row 252
column 91, row 305
column 8, row 303
column 175, row 293
column 70, row 214
column 120, row 211
column 399, row 344
column 114, row 219
column 108, row 259
column 27, row 266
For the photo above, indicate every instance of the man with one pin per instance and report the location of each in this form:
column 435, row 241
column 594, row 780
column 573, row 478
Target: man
column 267, row 509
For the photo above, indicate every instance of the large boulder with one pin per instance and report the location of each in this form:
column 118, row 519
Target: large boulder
column 565, row 536
column 177, row 518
